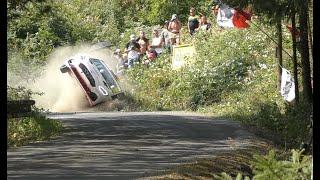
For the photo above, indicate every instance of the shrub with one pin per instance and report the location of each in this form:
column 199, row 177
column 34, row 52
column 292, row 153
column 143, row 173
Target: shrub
column 233, row 75
column 20, row 92
column 268, row 167
column 223, row 64
column 29, row 129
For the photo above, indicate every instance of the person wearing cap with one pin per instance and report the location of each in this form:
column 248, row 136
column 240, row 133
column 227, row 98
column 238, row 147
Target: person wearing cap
column 174, row 27
column 133, row 50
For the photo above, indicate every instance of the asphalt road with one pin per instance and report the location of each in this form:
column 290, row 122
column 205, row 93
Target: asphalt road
column 124, row 145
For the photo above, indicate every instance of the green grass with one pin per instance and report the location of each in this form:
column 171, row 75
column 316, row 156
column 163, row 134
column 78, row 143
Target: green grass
column 233, row 76
column 24, row 130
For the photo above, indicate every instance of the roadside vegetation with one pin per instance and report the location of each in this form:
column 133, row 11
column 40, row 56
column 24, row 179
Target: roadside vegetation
column 25, row 130
column 244, row 165
column 232, row 77
column 234, row 74
column 36, row 127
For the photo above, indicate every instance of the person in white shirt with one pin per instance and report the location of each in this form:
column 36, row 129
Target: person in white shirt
column 165, row 35
column 133, row 50
column 204, row 24
column 157, row 42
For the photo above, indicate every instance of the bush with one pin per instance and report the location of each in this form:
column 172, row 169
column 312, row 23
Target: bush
column 233, row 75
column 223, row 64
column 29, row 129
column 268, row 167
column 20, row 93
column 35, row 30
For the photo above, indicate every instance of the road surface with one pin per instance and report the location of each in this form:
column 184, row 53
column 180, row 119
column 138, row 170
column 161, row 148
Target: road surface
column 124, row 145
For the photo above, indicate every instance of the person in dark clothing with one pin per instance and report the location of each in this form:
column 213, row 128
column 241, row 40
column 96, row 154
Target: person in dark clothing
column 143, row 42
column 193, row 21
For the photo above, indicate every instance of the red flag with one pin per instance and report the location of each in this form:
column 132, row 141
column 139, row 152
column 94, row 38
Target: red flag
column 230, row 17
column 240, row 19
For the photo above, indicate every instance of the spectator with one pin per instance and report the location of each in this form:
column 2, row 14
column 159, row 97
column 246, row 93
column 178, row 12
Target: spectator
column 123, row 63
column 151, row 56
column 214, row 10
column 157, row 42
column 165, row 35
column 143, row 42
column 174, row 27
column 204, row 24
column 193, row 21
column 133, row 50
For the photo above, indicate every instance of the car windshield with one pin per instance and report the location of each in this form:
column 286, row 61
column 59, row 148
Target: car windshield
column 104, row 72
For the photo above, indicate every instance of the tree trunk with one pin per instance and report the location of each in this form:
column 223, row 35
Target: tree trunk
column 294, row 55
column 305, row 62
column 310, row 34
column 279, row 53
column 311, row 49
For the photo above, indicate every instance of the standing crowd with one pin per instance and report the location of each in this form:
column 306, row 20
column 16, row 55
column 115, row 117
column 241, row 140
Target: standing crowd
column 143, row 50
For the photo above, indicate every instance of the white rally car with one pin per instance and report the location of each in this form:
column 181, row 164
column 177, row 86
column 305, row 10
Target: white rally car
column 96, row 79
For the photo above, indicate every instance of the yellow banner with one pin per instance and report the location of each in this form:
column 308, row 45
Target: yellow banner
column 179, row 53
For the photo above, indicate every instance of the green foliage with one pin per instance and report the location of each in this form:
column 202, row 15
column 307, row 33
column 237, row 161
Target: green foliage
column 268, row 167
column 225, row 176
column 35, row 28
column 29, row 129
column 222, row 65
column 297, row 127
column 159, row 75
column 151, row 12
column 20, row 93
column 232, row 74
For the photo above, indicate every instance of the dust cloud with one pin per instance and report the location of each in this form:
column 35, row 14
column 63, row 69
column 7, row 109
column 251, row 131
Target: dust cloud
column 62, row 93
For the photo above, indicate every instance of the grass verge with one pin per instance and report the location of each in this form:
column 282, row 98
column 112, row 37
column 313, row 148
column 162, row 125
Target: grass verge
column 24, row 130
column 233, row 162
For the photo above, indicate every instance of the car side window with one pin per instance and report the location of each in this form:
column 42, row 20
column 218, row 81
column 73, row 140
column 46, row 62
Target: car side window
column 88, row 74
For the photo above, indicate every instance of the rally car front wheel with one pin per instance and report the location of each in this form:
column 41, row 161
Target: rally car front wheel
column 64, row 68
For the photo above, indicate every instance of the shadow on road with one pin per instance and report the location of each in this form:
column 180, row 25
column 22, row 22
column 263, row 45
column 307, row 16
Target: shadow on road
column 124, row 146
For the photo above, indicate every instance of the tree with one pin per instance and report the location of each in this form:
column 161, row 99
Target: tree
column 305, row 61
column 294, row 52
column 277, row 10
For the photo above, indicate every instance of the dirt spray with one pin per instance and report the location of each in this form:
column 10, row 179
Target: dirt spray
column 62, row 93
